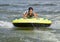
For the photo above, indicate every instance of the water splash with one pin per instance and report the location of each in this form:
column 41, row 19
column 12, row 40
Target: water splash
column 55, row 25
column 6, row 24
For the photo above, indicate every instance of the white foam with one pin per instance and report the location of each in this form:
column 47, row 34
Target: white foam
column 6, row 24
column 55, row 25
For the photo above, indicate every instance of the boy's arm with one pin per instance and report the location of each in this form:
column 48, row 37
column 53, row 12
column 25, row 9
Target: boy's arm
column 25, row 15
column 35, row 15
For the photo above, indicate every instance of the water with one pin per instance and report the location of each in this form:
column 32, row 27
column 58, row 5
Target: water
column 12, row 9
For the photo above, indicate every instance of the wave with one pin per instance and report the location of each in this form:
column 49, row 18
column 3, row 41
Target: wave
column 10, row 11
column 50, row 12
column 55, row 25
column 14, row 5
column 4, row 4
column 35, row 4
column 5, row 24
column 43, row 4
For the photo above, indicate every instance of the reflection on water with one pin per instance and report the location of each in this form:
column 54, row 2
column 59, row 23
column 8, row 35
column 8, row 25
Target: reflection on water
column 32, row 28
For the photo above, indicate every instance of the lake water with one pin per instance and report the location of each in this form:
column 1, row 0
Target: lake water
column 12, row 9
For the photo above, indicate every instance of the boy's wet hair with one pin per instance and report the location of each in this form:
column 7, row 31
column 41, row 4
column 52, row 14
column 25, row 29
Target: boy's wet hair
column 30, row 8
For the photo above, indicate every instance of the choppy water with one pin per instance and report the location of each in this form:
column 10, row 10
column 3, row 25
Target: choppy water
column 11, row 9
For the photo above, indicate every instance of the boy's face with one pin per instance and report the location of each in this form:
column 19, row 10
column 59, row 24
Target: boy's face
column 31, row 11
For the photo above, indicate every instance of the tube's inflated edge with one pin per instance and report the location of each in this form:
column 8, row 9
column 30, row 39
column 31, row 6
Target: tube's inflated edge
column 31, row 25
